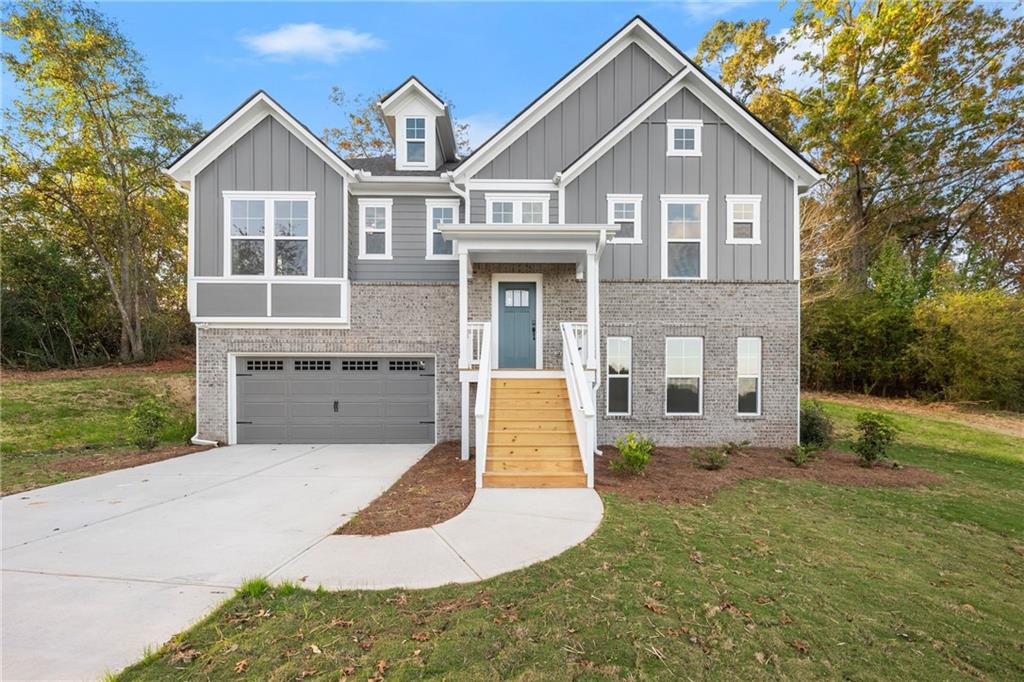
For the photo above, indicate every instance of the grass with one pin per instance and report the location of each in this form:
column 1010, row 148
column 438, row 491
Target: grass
column 790, row 579
column 49, row 420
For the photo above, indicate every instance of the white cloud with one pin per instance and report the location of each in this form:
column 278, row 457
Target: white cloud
column 310, row 41
column 482, row 126
column 705, row 10
column 793, row 75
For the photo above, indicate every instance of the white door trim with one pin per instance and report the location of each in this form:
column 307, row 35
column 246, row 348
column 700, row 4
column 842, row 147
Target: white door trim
column 496, row 279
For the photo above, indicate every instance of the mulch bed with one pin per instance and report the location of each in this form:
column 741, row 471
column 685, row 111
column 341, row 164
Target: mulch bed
column 672, row 476
column 435, row 489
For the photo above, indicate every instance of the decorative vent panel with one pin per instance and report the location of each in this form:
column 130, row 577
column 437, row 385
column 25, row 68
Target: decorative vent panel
column 313, row 365
column 407, row 365
column 359, row 365
column 264, row 365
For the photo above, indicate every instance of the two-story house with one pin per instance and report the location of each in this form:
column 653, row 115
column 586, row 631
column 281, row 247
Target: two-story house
column 623, row 255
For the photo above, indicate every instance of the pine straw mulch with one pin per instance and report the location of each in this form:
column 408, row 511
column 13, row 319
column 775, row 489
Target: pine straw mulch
column 435, row 489
column 672, row 476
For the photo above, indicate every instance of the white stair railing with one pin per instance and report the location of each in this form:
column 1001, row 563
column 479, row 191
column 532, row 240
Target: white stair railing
column 482, row 410
column 579, row 331
column 581, row 398
column 474, row 341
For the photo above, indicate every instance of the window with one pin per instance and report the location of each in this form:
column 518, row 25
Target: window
column 743, row 219
column 748, row 375
column 416, row 139
column 283, row 250
column 684, row 375
column 624, row 211
column 684, row 232
column 517, row 209
column 440, row 212
column 684, row 138
column 375, row 228
column 619, row 350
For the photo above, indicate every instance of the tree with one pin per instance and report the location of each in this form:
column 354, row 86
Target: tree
column 82, row 152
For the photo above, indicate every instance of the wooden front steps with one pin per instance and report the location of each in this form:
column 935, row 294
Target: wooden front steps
column 531, row 440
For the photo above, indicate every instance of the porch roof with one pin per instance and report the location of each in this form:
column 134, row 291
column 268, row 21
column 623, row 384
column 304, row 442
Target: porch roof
column 487, row 242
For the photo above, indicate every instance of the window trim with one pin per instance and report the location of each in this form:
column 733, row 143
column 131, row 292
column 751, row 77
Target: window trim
column 269, row 240
column 700, row 378
column 730, row 204
column 758, row 376
column 402, row 161
column 431, row 204
column 702, row 200
column 374, row 202
column 637, row 200
column 517, row 207
column 672, row 125
column 608, row 377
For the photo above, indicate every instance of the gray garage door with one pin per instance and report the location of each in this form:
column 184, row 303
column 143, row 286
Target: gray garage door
column 335, row 400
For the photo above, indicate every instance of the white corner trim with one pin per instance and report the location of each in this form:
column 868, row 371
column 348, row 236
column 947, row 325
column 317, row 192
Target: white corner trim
column 497, row 278
column 796, row 231
column 637, row 201
column 702, row 201
column 366, row 202
column 672, row 125
column 431, row 204
column 269, row 238
column 730, row 206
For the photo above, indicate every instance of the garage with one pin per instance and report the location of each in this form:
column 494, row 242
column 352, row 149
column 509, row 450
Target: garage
column 283, row 399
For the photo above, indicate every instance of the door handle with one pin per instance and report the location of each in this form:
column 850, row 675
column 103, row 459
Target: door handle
column 533, row 329
column 335, row 405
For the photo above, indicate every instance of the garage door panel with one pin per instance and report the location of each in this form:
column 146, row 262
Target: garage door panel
column 418, row 410
column 263, row 411
column 318, row 410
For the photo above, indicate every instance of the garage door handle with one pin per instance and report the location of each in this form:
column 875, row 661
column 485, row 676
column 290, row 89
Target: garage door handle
column 335, row 405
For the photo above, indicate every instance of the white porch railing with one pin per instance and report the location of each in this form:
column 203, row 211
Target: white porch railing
column 581, row 398
column 579, row 332
column 483, row 401
column 474, row 340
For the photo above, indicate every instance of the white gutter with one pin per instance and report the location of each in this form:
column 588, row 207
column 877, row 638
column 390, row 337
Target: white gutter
column 464, row 193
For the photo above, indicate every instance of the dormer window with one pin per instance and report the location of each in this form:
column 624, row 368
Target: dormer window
column 416, row 139
column 684, row 138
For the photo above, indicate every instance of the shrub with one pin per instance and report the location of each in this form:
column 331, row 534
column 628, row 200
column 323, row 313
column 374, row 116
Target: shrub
column 816, row 428
column 711, row 459
column 732, row 448
column 800, row 455
column 145, row 421
column 634, row 453
column 876, row 433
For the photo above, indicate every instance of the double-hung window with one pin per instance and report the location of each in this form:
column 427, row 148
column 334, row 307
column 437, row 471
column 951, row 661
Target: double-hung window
column 415, row 139
column 375, row 228
column 269, row 234
column 440, row 212
column 684, row 137
column 619, row 351
column 517, row 209
column 748, row 375
column 684, row 375
column 624, row 211
column 684, row 240
column 743, row 219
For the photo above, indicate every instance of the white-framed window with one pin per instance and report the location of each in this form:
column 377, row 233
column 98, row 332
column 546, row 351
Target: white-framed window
column 684, row 375
column 743, row 218
column 684, row 137
column 619, row 377
column 748, row 375
column 375, row 228
column 624, row 211
column 517, row 209
column 440, row 212
column 684, row 236
column 416, row 139
column 269, row 234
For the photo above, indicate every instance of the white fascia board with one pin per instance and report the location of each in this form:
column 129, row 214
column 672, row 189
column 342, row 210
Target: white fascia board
column 411, row 85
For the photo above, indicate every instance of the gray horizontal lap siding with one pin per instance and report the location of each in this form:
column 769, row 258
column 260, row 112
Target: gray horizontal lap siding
column 728, row 164
column 408, row 246
column 478, row 207
column 581, row 119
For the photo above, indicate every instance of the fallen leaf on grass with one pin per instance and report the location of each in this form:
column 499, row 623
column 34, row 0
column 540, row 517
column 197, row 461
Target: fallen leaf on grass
column 378, row 675
column 315, row 649
column 785, row 620
column 764, row 599
column 421, row 636
column 184, row 653
column 652, row 605
column 241, row 666
column 697, row 558
column 801, row 646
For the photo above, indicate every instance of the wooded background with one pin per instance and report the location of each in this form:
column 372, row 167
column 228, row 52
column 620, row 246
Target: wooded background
column 913, row 245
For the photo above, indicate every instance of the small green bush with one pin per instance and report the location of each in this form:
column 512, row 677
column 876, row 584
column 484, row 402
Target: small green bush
column 145, row 421
column 876, row 433
column 799, row 455
column 711, row 459
column 732, row 448
column 816, row 428
column 634, row 453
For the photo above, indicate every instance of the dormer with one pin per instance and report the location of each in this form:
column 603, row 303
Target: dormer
column 420, row 125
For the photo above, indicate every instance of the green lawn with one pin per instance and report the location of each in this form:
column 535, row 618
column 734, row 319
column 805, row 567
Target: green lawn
column 47, row 421
column 789, row 579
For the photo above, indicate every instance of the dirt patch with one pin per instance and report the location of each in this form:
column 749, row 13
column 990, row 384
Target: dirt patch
column 673, row 477
column 184, row 360
column 435, row 489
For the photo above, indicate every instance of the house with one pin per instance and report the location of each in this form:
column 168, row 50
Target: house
column 622, row 256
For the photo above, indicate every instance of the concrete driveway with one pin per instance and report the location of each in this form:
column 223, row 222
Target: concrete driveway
column 98, row 569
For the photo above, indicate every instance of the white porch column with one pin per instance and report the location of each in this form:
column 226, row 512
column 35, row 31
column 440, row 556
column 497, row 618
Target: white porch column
column 463, row 310
column 465, row 421
column 593, row 325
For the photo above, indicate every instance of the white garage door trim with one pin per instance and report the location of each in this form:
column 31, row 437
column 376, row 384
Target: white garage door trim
column 233, row 379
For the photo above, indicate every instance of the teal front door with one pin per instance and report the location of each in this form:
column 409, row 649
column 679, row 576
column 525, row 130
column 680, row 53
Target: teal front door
column 517, row 324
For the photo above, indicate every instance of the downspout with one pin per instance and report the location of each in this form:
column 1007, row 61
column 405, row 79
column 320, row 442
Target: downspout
column 463, row 193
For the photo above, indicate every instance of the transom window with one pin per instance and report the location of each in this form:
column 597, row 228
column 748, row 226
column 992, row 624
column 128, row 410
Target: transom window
column 252, row 250
column 624, row 211
column 524, row 209
column 440, row 212
column 416, row 139
column 684, row 137
column 748, row 375
column 684, row 236
column 743, row 219
column 619, row 350
column 375, row 228
column 684, row 375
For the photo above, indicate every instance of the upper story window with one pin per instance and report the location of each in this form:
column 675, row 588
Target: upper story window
column 269, row 234
column 440, row 212
column 416, row 139
column 375, row 228
column 743, row 219
column 517, row 209
column 624, row 211
column 684, row 137
column 684, row 241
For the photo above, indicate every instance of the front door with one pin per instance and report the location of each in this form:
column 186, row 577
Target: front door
column 517, row 324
